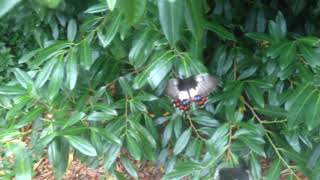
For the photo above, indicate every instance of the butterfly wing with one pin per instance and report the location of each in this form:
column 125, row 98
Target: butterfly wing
column 180, row 98
column 172, row 89
column 205, row 84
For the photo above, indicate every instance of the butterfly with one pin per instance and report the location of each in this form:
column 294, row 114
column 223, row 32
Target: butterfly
column 193, row 89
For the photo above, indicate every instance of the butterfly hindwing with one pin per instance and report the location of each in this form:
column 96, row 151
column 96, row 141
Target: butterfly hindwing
column 193, row 89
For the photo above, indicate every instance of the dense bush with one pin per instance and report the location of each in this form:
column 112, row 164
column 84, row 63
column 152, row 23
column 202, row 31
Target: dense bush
column 88, row 77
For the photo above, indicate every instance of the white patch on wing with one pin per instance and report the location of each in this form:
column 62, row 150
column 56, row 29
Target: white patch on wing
column 183, row 95
column 193, row 92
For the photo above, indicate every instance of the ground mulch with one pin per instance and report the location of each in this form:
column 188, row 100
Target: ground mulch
column 79, row 171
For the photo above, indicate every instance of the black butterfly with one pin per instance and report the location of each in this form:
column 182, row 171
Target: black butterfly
column 193, row 89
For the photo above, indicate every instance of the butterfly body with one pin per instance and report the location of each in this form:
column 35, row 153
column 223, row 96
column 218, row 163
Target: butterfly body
column 193, row 89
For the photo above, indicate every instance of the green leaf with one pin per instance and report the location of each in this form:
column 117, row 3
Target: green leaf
column 183, row 169
column 271, row 111
column 111, row 156
column 219, row 139
column 171, row 14
column 247, row 72
column 111, row 4
column 309, row 41
column 287, row 55
column 76, row 117
column 312, row 162
column 194, row 18
column 129, row 167
column 81, row 145
column 26, row 57
column 189, row 66
column 206, row 121
column 56, row 79
column 50, row 52
column 12, row 90
column 145, row 133
column 23, row 78
column 309, row 54
column 253, row 145
column 45, row 73
column 274, row 171
column 255, row 94
column 298, row 107
column 195, row 149
column 58, row 155
column 6, row 6
column 221, row 31
column 30, row 116
column 146, row 97
column 22, row 164
column 182, row 142
column 312, row 111
column 259, row 36
column 255, row 167
column 71, row 69
column 125, row 86
column 107, row 135
column 100, row 116
column 42, row 142
column 155, row 72
column 85, row 54
column 133, row 147
column 71, row 30
column 142, row 48
column 294, row 142
column 106, row 36
column 282, row 25
column 49, row 3
column 20, row 103
column 97, row 8
column 133, row 10
column 177, row 126
column 275, row 50
column 167, row 133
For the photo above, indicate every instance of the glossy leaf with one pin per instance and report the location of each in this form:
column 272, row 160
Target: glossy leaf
column 23, row 78
column 81, row 145
column 76, row 117
column 56, row 79
column 133, row 10
column 108, row 35
column 45, row 73
column 58, row 155
column 194, row 18
column 155, row 72
column 6, row 6
column 30, row 117
column 22, row 164
column 274, row 171
column 182, row 141
column 71, row 70
column 85, row 54
column 170, row 15
column 97, row 8
column 111, row 4
column 221, row 31
column 71, row 30
column 129, row 167
column 133, row 147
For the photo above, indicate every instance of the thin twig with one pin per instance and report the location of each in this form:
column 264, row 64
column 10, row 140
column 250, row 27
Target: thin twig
column 194, row 128
column 269, row 138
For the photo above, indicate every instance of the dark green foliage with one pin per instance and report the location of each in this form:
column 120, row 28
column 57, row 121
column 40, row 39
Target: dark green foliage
column 88, row 78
